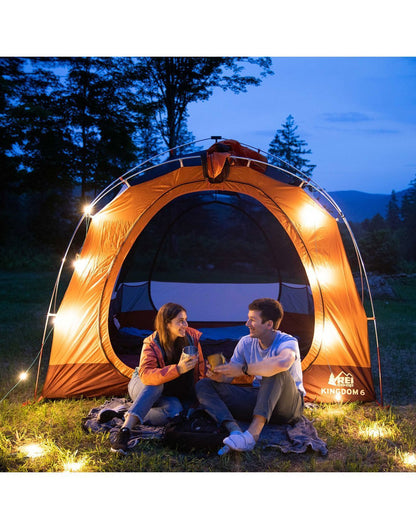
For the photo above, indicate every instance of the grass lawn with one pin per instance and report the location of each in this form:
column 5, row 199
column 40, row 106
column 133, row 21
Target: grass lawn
column 360, row 438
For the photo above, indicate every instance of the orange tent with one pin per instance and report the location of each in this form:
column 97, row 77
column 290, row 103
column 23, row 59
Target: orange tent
column 336, row 357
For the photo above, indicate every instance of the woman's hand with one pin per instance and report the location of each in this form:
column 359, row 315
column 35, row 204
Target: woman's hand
column 186, row 363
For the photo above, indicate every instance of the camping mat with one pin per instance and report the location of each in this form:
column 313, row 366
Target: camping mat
column 288, row 439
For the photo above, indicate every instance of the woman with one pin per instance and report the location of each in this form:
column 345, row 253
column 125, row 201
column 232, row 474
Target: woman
column 165, row 378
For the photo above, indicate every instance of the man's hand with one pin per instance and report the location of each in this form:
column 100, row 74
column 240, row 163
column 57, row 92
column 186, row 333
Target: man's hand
column 213, row 375
column 229, row 370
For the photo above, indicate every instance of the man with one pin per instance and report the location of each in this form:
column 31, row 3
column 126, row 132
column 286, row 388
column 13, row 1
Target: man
column 272, row 360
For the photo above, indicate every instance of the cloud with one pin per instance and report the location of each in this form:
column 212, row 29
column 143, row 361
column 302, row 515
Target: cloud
column 382, row 131
column 352, row 117
column 358, row 130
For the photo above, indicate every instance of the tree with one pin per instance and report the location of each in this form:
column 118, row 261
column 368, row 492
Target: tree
column 44, row 140
column 393, row 217
column 12, row 80
column 102, row 114
column 44, row 143
column 287, row 146
column 171, row 83
column 379, row 247
column 408, row 213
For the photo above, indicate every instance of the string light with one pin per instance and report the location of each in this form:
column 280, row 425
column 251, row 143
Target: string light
column 74, row 466
column 409, row 459
column 88, row 210
column 23, row 376
column 64, row 320
column 322, row 274
column 327, row 334
column 330, row 333
column 80, row 265
column 32, row 450
column 375, row 431
column 335, row 411
column 312, row 216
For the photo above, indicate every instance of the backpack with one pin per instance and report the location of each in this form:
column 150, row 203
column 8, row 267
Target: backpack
column 198, row 431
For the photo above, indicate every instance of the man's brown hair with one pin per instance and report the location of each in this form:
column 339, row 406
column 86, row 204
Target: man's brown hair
column 270, row 309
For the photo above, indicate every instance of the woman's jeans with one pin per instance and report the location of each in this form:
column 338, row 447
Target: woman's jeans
column 277, row 399
column 149, row 405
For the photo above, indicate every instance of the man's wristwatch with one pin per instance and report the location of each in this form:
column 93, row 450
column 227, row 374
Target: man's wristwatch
column 244, row 368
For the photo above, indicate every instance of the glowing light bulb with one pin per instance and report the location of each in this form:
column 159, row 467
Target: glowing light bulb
column 329, row 333
column 325, row 274
column 80, row 265
column 88, row 210
column 322, row 274
column 311, row 216
column 23, row 375
column 409, row 459
column 64, row 320
column 74, row 466
column 32, row 450
column 375, row 431
column 338, row 397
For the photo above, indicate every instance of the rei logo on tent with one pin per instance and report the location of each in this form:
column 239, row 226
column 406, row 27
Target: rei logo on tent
column 343, row 380
column 344, row 385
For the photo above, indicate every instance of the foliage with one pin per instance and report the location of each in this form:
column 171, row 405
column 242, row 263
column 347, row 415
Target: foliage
column 378, row 246
column 407, row 229
column 71, row 125
column 288, row 146
column 388, row 245
column 175, row 82
column 104, row 111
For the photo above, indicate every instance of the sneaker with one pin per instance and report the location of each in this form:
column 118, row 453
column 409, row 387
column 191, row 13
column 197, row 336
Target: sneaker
column 239, row 441
column 107, row 414
column 121, row 441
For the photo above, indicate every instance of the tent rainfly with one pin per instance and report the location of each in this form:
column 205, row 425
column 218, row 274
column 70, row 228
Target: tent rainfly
column 211, row 230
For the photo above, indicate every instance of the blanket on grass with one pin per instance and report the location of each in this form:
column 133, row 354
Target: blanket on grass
column 284, row 437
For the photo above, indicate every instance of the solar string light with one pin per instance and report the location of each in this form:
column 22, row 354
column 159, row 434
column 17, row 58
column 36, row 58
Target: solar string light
column 24, row 375
column 74, row 466
column 88, row 208
column 32, row 450
column 409, row 459
column 21, row 378
column 375, row 430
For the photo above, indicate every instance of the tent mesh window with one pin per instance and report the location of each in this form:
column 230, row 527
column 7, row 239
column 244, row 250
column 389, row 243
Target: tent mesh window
column 213, row 253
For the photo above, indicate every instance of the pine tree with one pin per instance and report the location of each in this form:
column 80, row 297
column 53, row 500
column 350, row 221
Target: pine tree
column 288, row 146
column 12, row 81
column 101, row 117
column 393, row 213
column 408, row 213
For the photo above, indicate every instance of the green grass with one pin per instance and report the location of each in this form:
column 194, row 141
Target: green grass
column 360, row 437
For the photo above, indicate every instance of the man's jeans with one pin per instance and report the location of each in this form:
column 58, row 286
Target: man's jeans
column 149, row 405
column 277, row 399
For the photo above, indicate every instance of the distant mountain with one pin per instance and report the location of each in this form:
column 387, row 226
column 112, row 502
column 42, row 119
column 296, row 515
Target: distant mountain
column 358, row 206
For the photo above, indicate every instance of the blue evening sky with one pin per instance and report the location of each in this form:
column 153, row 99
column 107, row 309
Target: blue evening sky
column 345, row 71
column 357, row 114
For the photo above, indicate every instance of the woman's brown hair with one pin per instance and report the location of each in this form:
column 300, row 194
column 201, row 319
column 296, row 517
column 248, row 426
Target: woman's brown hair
column 165, row 315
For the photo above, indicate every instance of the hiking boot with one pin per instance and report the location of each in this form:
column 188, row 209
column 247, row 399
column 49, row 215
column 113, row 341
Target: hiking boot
column 120, row 443
column 239, row 441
